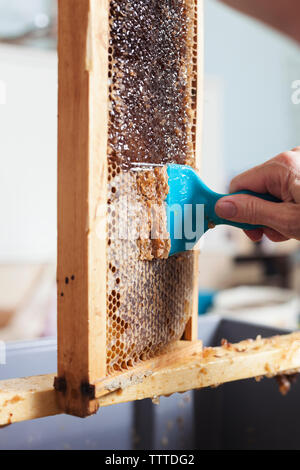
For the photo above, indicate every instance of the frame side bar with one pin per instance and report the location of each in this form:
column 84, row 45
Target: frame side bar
column 82, row 195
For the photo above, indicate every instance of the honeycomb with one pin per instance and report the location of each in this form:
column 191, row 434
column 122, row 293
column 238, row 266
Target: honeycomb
column 154, row 238
column 152, row 120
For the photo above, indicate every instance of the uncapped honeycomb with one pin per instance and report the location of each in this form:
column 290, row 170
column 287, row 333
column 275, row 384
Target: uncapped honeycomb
column 153, row 188
column 152, row 120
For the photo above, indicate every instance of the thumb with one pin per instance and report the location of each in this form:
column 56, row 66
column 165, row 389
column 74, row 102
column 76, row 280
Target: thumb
column 256, row 211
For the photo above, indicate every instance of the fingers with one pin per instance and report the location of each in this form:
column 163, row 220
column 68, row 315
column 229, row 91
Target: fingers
column 280, row 177
column 272, row 177
column 274, row 236
column 254, row 179
column 249, row 209
column 255, row 235
column 283, row 218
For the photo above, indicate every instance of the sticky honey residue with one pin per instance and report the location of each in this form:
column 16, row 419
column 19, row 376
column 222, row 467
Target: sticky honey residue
column 13, row 400
column 285, row 382
column 155, row 400
column 273, row 369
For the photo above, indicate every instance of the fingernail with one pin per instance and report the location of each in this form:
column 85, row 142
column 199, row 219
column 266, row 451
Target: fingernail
column 226, row 209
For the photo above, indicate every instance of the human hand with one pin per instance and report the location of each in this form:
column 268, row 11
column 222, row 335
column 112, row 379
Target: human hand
column 280, row 177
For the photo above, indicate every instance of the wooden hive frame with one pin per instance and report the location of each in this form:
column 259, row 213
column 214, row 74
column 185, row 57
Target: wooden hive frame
column 82, row 196
column 81, row 383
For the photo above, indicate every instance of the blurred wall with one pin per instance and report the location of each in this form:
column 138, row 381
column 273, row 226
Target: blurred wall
column 257, row 67
column 28, row 122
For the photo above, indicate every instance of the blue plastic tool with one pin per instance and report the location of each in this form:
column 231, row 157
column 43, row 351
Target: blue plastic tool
column 191, row 208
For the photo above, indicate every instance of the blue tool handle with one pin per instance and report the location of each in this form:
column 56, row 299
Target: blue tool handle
column 218, row 220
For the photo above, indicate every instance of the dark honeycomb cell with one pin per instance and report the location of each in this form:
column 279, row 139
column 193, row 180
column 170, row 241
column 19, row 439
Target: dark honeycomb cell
column 152, row 119
column 150, row 52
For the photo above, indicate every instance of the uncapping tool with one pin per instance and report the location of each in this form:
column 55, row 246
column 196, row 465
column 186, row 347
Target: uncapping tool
column 190, row 200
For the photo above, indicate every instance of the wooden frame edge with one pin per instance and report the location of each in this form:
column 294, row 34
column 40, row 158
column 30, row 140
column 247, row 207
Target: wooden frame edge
column 82, row 200
column 34, row 397
column 191, row 331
